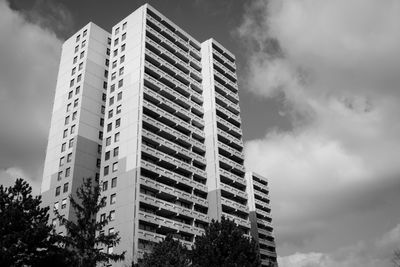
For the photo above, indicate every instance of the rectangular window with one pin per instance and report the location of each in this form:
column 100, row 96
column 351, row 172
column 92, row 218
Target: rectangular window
column 58, row 190
column 114, row 64
column 112, row 88
column 109, row 40
column 64, row 203
column 74, row 115
column 83, row 43
column 79, row 78
column 69, row 157
column 65, row 134
column 115, row 53
column 113, row 198
column 55, row 206
column 73, row 71
column 110, row 114
column 75, row 60
column 66, row 120
column 80, row 66
column 76, row 102
column 78, row 37
column 110, row 249
column 63, row 147
column 107, row 62
column 70, row 95
column 116, row 42
column 123, row 37
column 98, row 162
column 62, row 159
column 102, row 217
column 65, row 188
column 84, row 33
column 100, row 135
column 116, row 151
column 119, row 96
column 103, row 109
column 117, row 30
column 67, row 172
column 106, row 170
column 107, row 155
column 106, row 73
column 117, row 123
column 73, row 129
column 101, row 122
column 104, row 98
column 116, row 137
column 59, row 176
column 108, row 50
column 115, row 167
column 69, row 106
column 76, row 48
column 124, row 26
column 122, row 59
column 120, row 83
column 82, row 54
column 111, row 102
column 105, row 185
column 123, row 47
column 111, row 231
column 113, row 76
column 108, row 141
column 77, row 90
column 71, row 143
column 99, row 148
column 118, row 109
column 109, row 127
column 114, row 182
column 112, row 215
column 71, row 83
column 105, row 85
column 121, row 71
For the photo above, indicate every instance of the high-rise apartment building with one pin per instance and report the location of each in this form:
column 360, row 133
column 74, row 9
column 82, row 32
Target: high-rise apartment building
column 157, row 122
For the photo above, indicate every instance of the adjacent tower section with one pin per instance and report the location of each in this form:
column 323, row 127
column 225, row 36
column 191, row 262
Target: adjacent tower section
column 260, row 217
column 224, row 143
column 74, row 144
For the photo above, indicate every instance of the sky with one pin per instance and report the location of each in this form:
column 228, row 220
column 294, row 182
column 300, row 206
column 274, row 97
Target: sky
column 319, row 96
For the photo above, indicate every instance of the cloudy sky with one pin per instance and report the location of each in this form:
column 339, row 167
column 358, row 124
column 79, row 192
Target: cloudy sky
column 320, row 101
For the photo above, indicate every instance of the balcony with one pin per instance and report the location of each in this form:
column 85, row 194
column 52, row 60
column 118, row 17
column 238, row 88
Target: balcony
column 237, row 220
column 172, row 176
column 234, row 205
column 224, row 70
column 228, row 115
column 267, row 252
column 234, row 191
column 261, row 194
column 230, row 139
column 266, row 242
column 264, row 222
column 264, row 232
column 221, row 89
column 230, row 164
column 232, row 177
column 233, row 152
column 226, row 103
column 150, row 236
column 223, row 60
column 262, row 203
column 226, row 82
column 229, row 127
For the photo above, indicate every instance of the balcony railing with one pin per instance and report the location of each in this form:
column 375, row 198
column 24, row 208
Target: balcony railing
column 228, row 94
column 234, row 178
column 229, row 127
column 264, row 222
column 231, row 163
column 262, row 203
column 234, row 191
column 233, row 204
column 238, row 220
column 230, row 150
column 224, row 61
column 266, row 242
column 268, row 253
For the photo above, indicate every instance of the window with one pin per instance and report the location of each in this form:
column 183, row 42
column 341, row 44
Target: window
column 83, row 43
column 109, row 40
column 71, row 143
column 82, row 54
column 61, row 161
column 116, row 137
column 105, row 85
column 63, row 147
column 123, row 47
column 67, row 172
column 123, row 37
column 66, row 120
column 114, row 64
column 101, row 122
column 65, row 188
column 70, row 94
column 105, row 186
column 59, row 176
column 110, row 249
column 124, row 26
column 99, row 148
column 116, row 42
column 102, row 217
column 108, row 50
column 79, row 78
column 107, row 155
column 75, row 60
column 112, row 88
column 115, row 52
column 84, row 33
column 111, row 102
column 107, row 62
column 76, row 102
column 104, row 97
column 55, row 206
column 118, row 109
column 111, row 231
column 116, row 151
column 108, row 141
column 120, row 83
column 110, row 114
column 71, row 83
column 109, row 127
column 69, row 157
column 78, row 37
column 58, row 190
column 64, row 203
column 106, row 170
column 77, row 90
column 73, row 71
column 117, row 123
column 80, row 66
column 72, row 129
column 119, row 96
column 117, row 30
column 113, row 198
column 121, row 71
column 106, row 73
column 69, row 107
column 115, row 167
column 113, row 76
column 122, row 59
column 103, row 109
column 76, row 48
column 97, row 176
column 98, row 162
column 65, row 133
column 100, row 135
column 114, row 182
column 74, row 115
column 112, row 215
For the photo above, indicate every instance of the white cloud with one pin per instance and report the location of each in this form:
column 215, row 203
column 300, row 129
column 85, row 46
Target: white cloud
column 29, row 57
column 335, row 174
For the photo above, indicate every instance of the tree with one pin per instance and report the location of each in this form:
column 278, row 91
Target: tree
column 166, row 253
column 396, row 258
column 223, row 244
column 25, row 237
column 82, row 237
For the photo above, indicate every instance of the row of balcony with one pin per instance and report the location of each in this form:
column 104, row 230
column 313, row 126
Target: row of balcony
column 174, row 94
column 171, row 207
column 230, row 164
column 234, row 205
column 267, row 252
column 233, row 177
column 173, row 119
column 168, row 223
column 225, row 71
column 160, row 141
column 226, row 82
column 174, row 161
column 264, row 232
column 230, row 140
column 231, row 151
column 261, row 194
column 154, row 237
column 173, row 192
column 228, row 115
column 226, row 103
column 228, row 94
column 263, row 204
column 221, row 49
column 260, row 187
column 183, row 89
column 171, row 132
column 238, row 220
column 181, row 112
column 266, row 242
column 264, row 222
column 179, row 40
column 173, row 176
column 229, row 127
column 234, row 191
column 226, row 62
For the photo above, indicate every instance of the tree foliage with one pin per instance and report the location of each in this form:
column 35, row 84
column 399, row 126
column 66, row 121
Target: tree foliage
column 166, row 253
column 223, row 244
column 25, row 237
column 83, row 238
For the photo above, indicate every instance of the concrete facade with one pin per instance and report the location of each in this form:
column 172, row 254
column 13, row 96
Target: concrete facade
column 159, row 128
